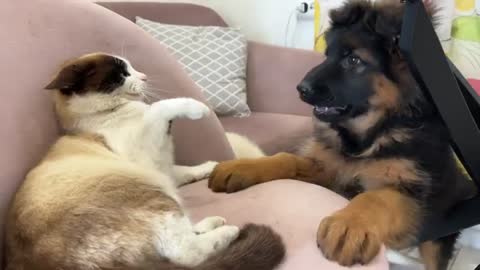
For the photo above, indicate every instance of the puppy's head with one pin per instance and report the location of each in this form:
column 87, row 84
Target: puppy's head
column 100, row 74
column 364, row 79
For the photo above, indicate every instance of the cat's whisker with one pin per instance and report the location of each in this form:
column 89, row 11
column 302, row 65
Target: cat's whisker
column 157, row 77
column 152, row 95
column 149, row 97
column 154, row 89
column 154, row 80
column 123, row 49
column 146, row 98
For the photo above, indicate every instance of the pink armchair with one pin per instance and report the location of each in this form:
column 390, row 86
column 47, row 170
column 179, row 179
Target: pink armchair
column 38, row 35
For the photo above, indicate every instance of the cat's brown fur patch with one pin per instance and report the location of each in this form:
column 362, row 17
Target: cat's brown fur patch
column 96, row 72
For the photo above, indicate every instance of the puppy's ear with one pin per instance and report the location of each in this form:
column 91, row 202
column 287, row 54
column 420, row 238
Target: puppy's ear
column 388, row 26
column 72, row 77
column 432, row 8
column 429, row 6
column 350, row 13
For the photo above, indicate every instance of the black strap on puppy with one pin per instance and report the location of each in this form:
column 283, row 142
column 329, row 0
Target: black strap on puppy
column 456, row 102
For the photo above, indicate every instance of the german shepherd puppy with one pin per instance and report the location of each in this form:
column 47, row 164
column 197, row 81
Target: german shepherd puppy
column 377, row 140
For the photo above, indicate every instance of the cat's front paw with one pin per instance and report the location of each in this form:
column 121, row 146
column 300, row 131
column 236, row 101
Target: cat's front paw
column 194, row 109
column 205, row 170
column 209, row 224
column 197, row 173
column 174, row 108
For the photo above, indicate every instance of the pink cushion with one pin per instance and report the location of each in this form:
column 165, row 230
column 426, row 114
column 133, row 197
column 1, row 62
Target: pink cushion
column 273, row 74
column 293, row 208
column 475, row 84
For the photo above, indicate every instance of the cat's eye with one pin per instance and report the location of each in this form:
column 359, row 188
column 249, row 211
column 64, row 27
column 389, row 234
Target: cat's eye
column 125, row 73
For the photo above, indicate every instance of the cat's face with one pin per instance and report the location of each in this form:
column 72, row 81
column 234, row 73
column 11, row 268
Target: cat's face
column 99, row 73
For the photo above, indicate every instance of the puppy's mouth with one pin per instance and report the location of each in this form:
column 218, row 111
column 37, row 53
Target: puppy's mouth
column 330, row 112
column 326, row 107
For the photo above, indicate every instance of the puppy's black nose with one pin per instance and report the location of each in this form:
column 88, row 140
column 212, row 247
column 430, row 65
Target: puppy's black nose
column 305, row 89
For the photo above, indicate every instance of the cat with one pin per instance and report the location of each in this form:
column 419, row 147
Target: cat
column 104, row 196
column 243, row 147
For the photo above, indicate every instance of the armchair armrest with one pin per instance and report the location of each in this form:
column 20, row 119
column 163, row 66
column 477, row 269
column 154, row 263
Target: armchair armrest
column 272, row 76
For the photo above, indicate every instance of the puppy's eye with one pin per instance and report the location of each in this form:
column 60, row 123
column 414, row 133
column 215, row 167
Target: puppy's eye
column 125, row 73
column 353, row 60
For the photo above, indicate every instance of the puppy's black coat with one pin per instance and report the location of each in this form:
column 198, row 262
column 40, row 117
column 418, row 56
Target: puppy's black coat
column 362, row 52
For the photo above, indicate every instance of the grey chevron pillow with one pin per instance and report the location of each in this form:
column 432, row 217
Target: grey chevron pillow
column 214, row 57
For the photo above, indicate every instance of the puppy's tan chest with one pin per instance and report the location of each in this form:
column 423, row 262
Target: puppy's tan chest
column 374, row 174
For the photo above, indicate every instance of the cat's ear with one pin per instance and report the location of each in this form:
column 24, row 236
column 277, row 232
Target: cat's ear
column 71, row 77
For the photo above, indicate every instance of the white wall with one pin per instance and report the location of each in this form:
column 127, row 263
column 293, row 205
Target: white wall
column 262, row 20
column 266, row 20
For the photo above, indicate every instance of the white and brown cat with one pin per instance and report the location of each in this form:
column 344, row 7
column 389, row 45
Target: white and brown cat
column 104, row 197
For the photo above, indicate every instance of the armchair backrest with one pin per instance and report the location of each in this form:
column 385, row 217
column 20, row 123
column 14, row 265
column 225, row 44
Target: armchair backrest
column 171, row 13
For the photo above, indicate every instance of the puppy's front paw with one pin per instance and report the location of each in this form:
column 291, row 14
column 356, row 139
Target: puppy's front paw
column 235, row 175
column 195, row 110
column 348, row 239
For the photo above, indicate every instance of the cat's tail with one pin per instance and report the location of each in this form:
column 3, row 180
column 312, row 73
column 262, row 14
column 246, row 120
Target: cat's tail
column 257, row 248
column 243, row 147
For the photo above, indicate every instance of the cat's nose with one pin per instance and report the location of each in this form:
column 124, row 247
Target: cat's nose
column 142, row 76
